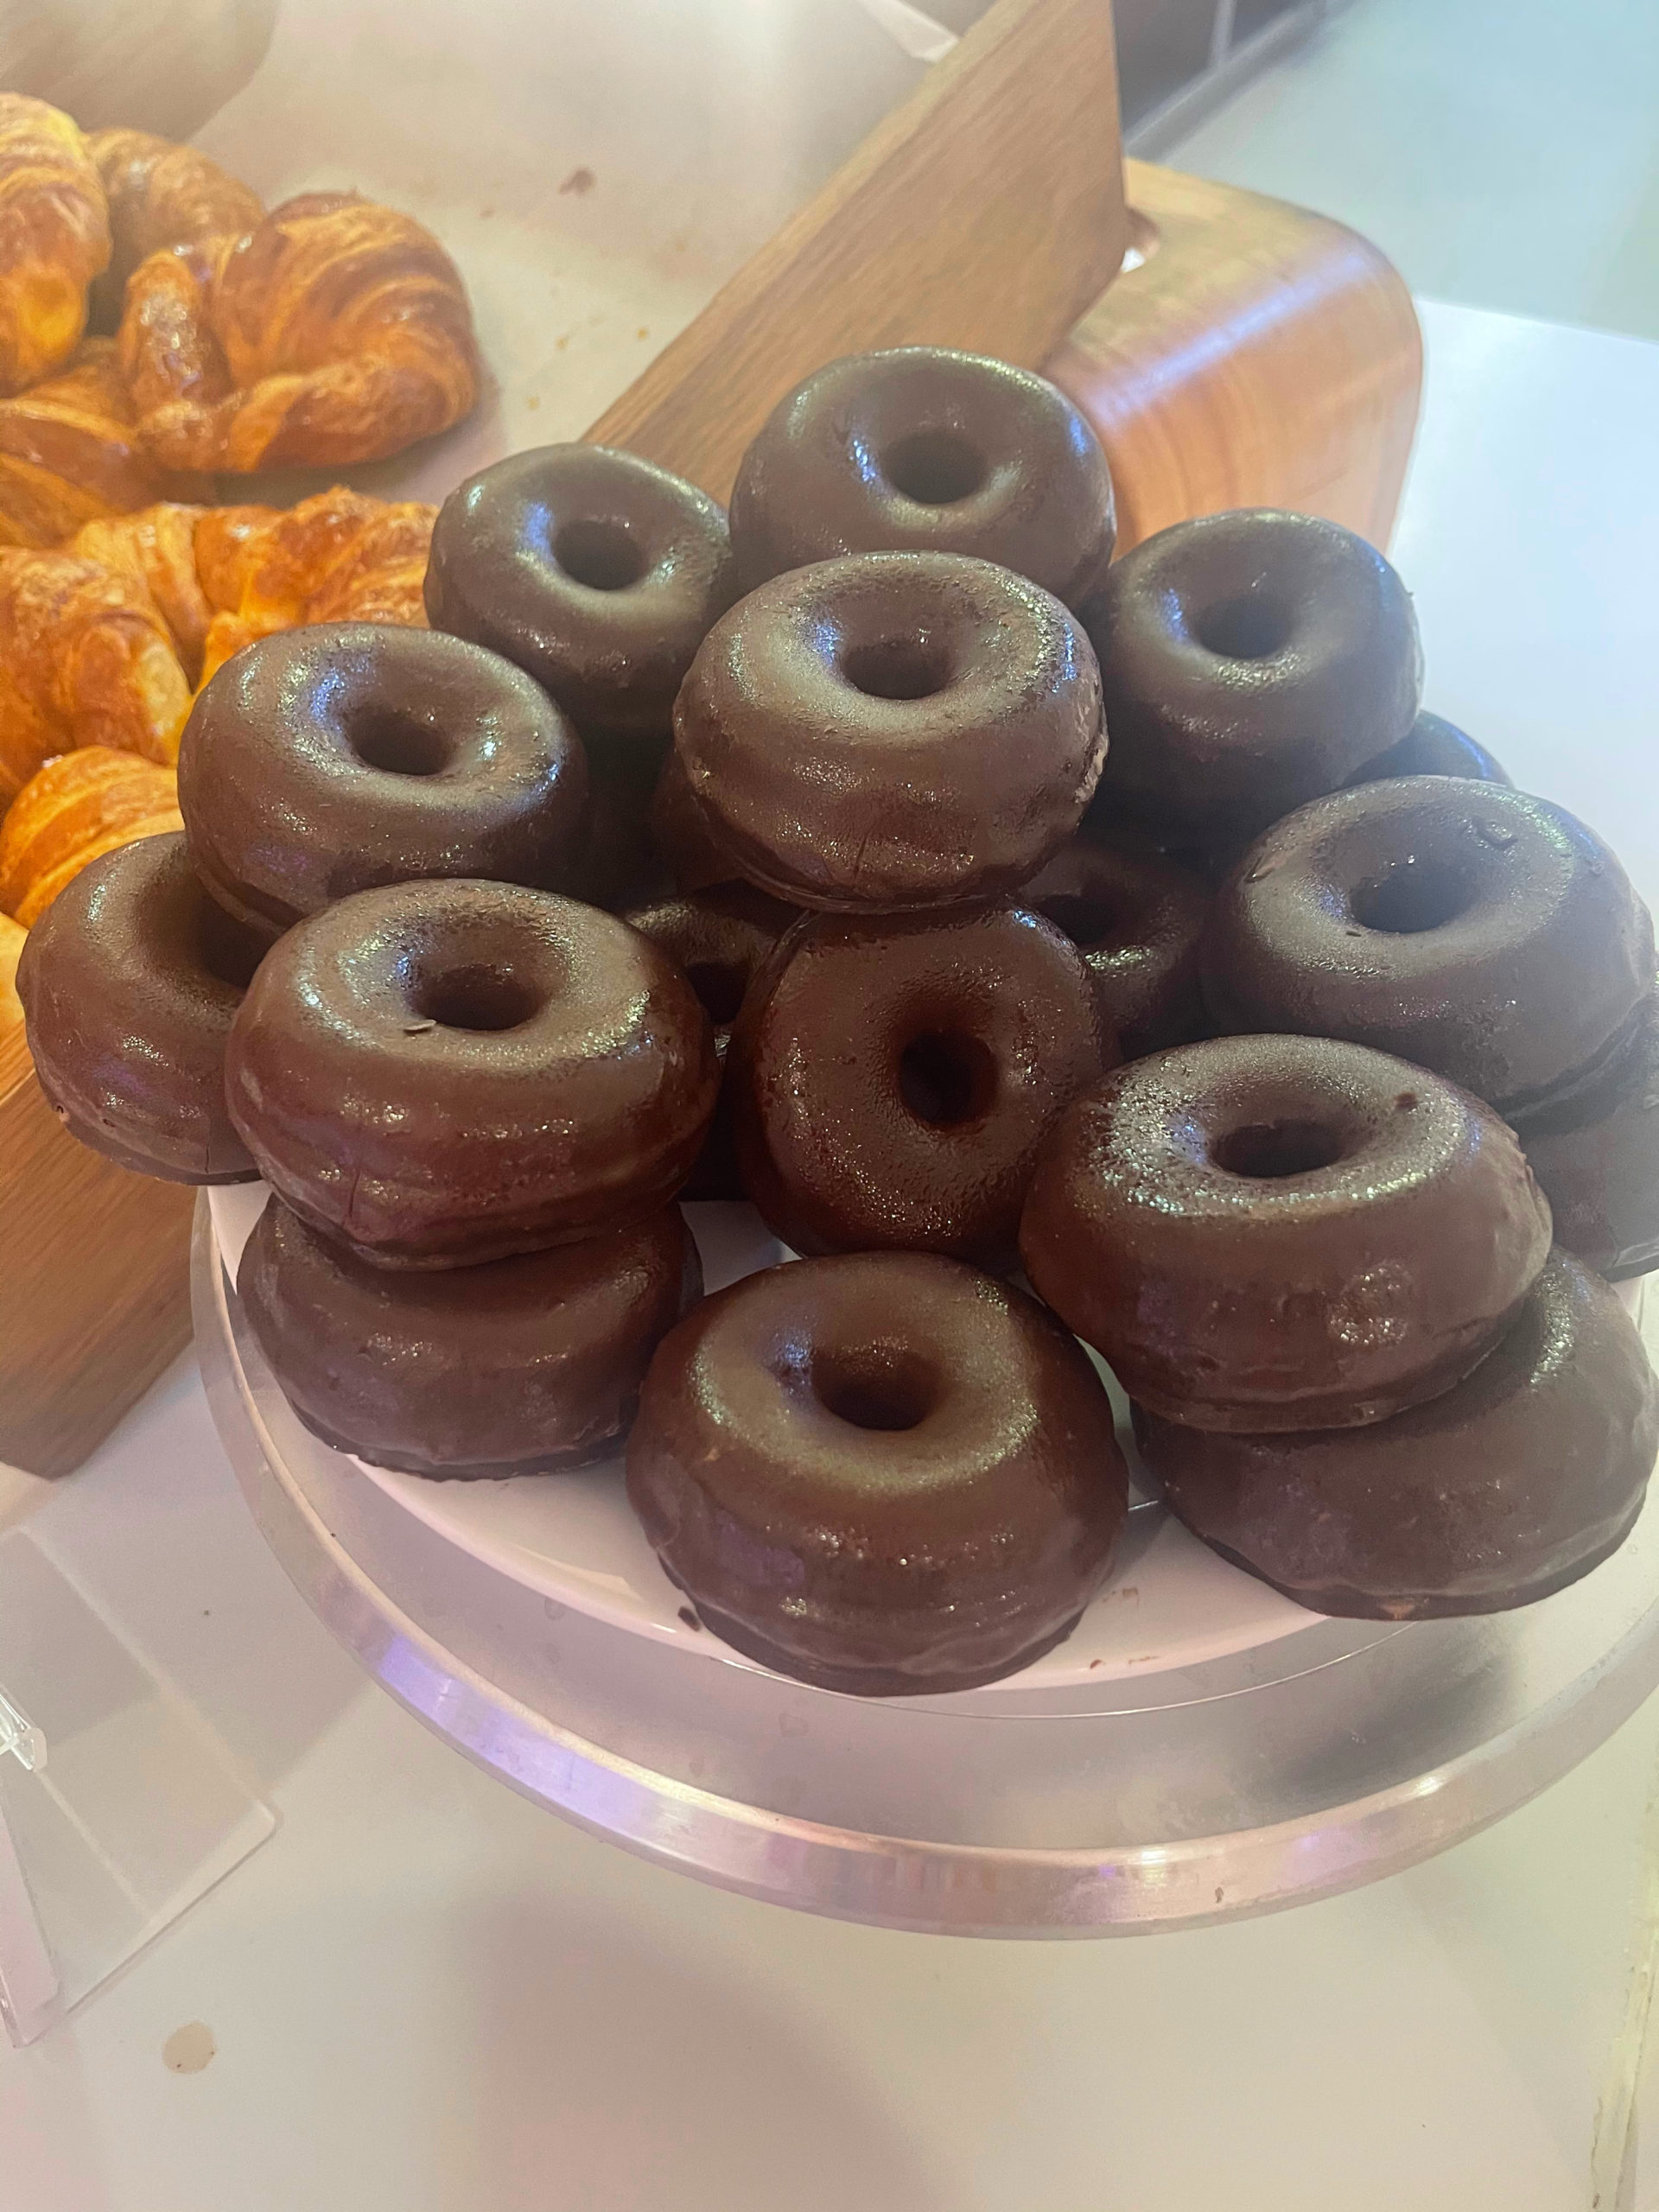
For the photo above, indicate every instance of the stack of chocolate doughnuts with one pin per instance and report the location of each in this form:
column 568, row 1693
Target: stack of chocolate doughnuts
column 358, row 974
column 1324, row 1278
column 893, row 860
column 1489, row 936
column 881, row 1469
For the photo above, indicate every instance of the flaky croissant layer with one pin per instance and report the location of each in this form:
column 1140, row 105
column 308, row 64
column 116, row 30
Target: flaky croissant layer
column 334, row 331
column 160, row 195
column 70, row 452
column 86, row 660
column 55, row 237
column 78, row 806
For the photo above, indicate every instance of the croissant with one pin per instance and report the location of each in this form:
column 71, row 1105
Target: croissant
column 339, row 556
column 12, row 945
column 84, row 659
column 334, row 331
column 69, row 452
column 55, row 237
column 160, row 195
column 155, row 551
column 81, row 804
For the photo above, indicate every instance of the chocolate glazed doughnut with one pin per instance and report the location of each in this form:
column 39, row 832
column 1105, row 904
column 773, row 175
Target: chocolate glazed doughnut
column 721, row 937
column 883, row 1473
column 1248, row 661
column 923, row 450
column 326, row 760
column 1483, row 932
column 1432, row 746
column 129, row 982
column 1137, row 920
column 1526, row 1476
column 1595, row 1155
column 1282, row 1232
column 439, row 1074
column 519, row 1367
column 892, row 1079
column 598, row 572
column 892, row 730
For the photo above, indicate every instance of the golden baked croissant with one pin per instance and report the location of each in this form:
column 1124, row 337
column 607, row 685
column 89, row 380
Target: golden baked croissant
column 84, row 659
column 339, row 556
column 11, row 946
column 156, row 550
column 222, row 576
column 69, row 452
column 335, row 330
column 160, row 195
column 55, row 237
column 81, row 804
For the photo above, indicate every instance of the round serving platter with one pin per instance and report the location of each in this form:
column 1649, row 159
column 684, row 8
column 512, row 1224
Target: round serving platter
column 572, row 1538
column 1116, row 1800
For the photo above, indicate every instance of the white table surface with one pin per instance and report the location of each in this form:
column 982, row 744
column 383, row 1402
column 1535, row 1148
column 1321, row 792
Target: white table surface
column 426, row 1996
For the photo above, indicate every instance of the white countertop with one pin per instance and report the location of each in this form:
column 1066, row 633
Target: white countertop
column 426, row 1996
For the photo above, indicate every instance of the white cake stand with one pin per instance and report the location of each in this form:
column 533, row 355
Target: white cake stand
column 1312, row 1764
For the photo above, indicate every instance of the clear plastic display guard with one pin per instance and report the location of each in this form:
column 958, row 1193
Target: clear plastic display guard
column 118, row 1807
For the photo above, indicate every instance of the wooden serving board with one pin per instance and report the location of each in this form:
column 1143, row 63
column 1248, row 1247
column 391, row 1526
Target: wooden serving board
column 986, row 212
column 1247, row 353
column 1252, row 355
column 94, row 1280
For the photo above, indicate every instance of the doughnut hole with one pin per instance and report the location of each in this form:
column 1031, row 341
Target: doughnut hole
column 599, row 554
column 880, row 1387
column 1086, row 921
column 1413, row 897
column 399, row 743
column 479, row 995
column 1249, row 627
column 1268, row 1151
column 947, row 1078
column 897, row 668
column 934, row 469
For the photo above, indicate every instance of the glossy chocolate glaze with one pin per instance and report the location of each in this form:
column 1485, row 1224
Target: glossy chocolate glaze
column 439, row 1074
column 1432, row 746
column 1483, row 932
column 1508, row 1487
column 1282, row 1232
column 519, row 1367
column 1596, row 1156
column 720, row 939
column 598, row 572
column 892, row 1078
column 923, row 450
column 326, row 760
column 893, row 730
column 883, row 1473
column 1136, row 919
column 129, row 982
column 1249, row 662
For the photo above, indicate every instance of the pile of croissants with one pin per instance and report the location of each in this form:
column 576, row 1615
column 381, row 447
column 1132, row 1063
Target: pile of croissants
column 160, row 330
